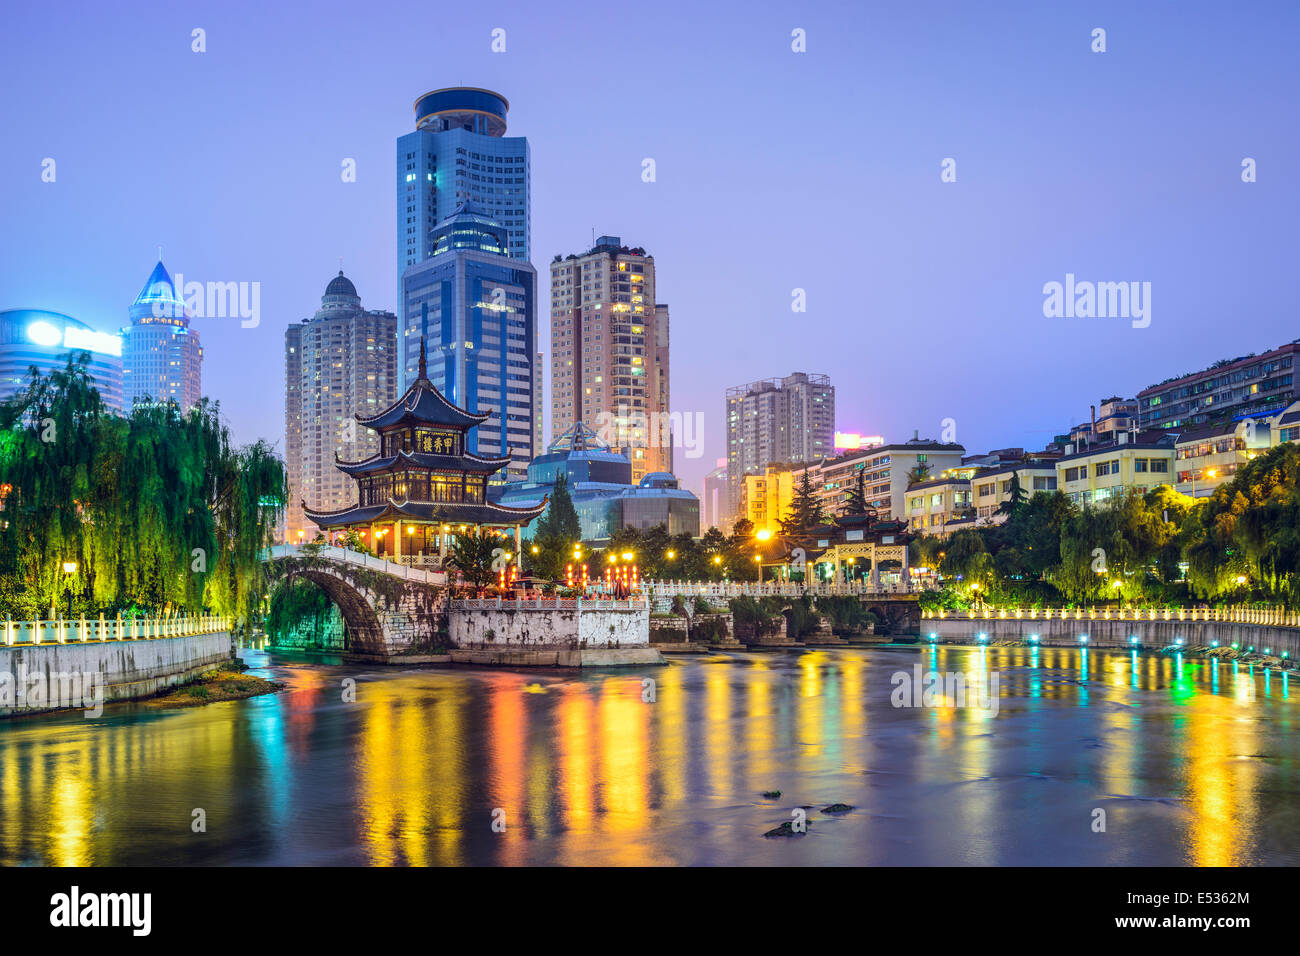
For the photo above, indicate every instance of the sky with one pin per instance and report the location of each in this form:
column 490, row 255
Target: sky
column 775, row 171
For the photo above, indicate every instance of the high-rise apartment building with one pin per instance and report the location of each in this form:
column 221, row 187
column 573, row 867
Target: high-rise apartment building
column 459, row 153
column 338, row 364
column 609, row 352
column 475, row 308
column 789, row 419
column 162, row 359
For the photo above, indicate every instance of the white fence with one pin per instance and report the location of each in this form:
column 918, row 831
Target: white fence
column 82, row 630
column 769, row 589
column 1276, row 616
column 550, row 604
column 358, row 558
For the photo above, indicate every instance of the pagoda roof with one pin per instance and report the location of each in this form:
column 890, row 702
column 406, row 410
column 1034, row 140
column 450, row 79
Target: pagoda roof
column 449, row 512
column 424, row 404
column 421, row 459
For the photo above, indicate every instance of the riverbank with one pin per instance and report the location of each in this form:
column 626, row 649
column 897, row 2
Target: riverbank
column 229, row 682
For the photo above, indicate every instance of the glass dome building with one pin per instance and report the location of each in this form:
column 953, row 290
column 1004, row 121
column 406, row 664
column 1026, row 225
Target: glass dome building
column 44, row 339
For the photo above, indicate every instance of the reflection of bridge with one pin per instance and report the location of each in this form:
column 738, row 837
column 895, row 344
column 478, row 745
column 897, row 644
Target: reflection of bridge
column 388, row 608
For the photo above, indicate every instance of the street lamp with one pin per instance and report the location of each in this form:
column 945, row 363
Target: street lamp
column 69, row 568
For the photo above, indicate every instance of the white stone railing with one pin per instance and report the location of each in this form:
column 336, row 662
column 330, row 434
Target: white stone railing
column 357, row 558
column 1274, row 616
column 550, row 604
column 83, row 629
column 769, row 589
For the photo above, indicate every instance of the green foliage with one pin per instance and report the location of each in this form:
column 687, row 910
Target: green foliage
column 805, row 510
column 855, row 502
column 471, row 555
column 846, row 613
column 298, row 603
column 555, row 534
column 156, row 509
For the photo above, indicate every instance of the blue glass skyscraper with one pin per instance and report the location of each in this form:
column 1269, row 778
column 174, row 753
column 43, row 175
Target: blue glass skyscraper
column 458, row 153
column 475, row 308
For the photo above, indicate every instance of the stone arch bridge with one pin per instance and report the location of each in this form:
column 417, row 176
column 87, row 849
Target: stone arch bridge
column 388, row 609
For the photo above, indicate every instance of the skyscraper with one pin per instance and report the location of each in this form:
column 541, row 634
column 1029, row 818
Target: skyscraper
column 609, row 352
column 713, row 505
column 475, row 309
column 777, row 420
column 162, row 358
column 338, row 364
column 458, row 153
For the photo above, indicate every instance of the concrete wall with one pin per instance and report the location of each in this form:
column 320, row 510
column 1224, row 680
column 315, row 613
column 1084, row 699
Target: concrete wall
column 548, row 627
column 124, row 669
column 1117, row 633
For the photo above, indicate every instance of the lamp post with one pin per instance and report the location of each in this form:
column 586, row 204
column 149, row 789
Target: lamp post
column 69, row 568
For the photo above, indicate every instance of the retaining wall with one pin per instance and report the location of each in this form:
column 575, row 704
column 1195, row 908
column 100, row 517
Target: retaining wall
column 1103, row 633
column 124, row 669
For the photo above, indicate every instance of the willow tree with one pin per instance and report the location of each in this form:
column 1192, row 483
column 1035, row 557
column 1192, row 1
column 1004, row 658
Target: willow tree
column 155, row 510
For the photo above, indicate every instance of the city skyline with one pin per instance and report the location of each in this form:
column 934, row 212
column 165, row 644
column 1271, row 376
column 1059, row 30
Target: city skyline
column 1061, row 169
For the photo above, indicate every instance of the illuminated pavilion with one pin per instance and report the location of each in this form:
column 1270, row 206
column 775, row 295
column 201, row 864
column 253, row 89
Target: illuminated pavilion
column 423, row 486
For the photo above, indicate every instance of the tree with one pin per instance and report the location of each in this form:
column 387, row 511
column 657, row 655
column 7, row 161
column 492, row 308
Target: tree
column 918, row 474
column 1015, row 496
column 155, row 509
column 471, row 555
column 805, row 511
column 856, row 502
column 556, row 533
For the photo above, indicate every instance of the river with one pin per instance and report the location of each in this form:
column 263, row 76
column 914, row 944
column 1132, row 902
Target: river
column 1188, row 761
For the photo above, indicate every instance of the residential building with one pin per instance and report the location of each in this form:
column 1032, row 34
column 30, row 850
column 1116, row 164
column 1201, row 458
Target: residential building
column 45, row 339
column 475, row 308
column 1227, row 389
column 458, row 153
column 609, row 352
column 1286, row 425
column 991, row 488
column 1210, row 455
column 765, row 499
column 339, row 363
column 887, row 472
column 162, row 359
column 777, row 420
column 1102, row 472
column 1112, row 416
column 940, row 506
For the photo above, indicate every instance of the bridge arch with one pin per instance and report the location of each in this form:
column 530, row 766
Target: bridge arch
column 362, row 631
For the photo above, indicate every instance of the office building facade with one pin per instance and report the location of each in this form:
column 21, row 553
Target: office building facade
column 45, row 339
column 459, row 153
column 474, row 306
column 162, row 357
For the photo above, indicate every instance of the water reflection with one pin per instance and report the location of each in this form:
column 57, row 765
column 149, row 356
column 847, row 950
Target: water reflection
column 1193, row 761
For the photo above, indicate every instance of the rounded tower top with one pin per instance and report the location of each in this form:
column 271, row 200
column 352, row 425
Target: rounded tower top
column 462, row 107
column 341, row 285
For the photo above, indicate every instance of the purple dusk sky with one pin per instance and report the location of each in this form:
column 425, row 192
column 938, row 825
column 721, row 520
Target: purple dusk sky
column 776, row 170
